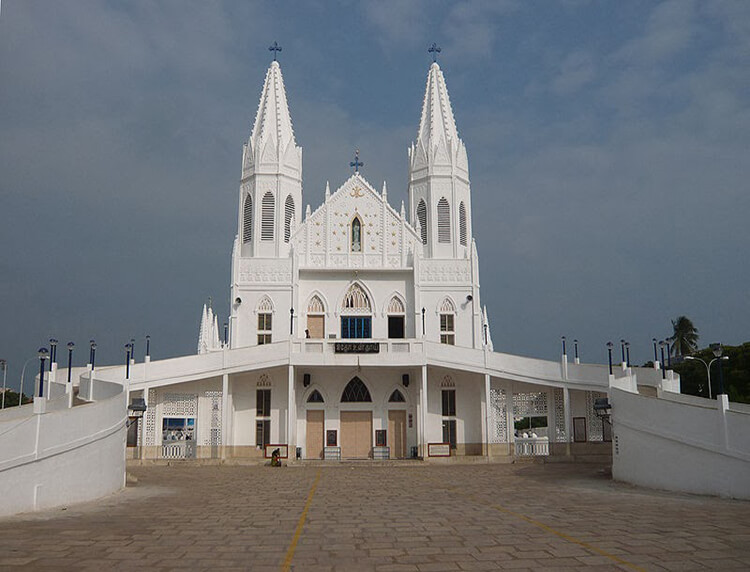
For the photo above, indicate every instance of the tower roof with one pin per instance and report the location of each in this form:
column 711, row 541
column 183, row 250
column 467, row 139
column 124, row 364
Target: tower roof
column 437, row 120
column 273, row 123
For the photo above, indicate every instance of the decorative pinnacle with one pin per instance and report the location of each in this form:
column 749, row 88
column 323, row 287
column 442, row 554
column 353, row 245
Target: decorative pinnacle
column 356, row 163
column 434, row 49
column 276, row 48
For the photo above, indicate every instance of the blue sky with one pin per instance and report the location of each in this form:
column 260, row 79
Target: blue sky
column 607, row 143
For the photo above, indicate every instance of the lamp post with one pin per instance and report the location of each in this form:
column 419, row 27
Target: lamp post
column 627, row 354
column 424, row 332
column 226, row 333
column 71, row 345
column 663, row 370
column 128, row 349
column 93, row 354
column 718, row 351
column 291, row 321
column 708, row 368
column 52, row 352
column 132, row 349
column 610, row 345
column 43, row 353
column 4, row 365
column 148, row 346
column 622, row 350
column 23, row 373
column 656, row 357
column 575, row 348
column 563, row 345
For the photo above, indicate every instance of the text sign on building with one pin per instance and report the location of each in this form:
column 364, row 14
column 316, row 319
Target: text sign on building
column 356, row 347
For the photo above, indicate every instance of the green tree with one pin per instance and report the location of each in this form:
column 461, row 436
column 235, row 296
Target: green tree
column 685, row 336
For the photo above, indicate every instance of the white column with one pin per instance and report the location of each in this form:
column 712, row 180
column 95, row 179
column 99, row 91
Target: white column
column 291, row 417
column 487, row 405
column 568, row 423
column 224, row 414
column 423, row 413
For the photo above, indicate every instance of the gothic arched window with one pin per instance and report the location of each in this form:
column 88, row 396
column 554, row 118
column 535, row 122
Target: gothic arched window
column 462, row 223
column 356, row 242
column 356, row 392
column 396, row 397
column 315, row 397
column 447, row 322
column 247, row 220
column 288, row 217
column 356, row 321
column 444, row 220
column 422, row 218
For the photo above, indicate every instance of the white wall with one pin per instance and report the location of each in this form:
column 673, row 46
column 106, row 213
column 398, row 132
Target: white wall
column 680, row 443
column 63, row 456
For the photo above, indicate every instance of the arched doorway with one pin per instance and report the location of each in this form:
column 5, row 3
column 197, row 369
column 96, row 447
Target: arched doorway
column 356, row 424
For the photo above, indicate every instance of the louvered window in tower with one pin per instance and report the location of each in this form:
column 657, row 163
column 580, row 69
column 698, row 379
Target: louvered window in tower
column 422, row 218
column 288, row 217
column 444, row 220
column 267, row 208
column 247, row 219
column 462, row 223
column 356, row 391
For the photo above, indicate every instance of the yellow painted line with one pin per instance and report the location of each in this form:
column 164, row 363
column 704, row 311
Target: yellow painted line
column 298, row 532
column 548, row 528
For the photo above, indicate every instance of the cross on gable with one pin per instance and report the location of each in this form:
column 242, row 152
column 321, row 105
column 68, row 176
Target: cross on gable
column 356, row 163
column 275, row 48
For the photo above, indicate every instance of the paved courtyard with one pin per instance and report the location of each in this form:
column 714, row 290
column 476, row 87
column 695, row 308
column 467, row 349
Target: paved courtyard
column 453, row 517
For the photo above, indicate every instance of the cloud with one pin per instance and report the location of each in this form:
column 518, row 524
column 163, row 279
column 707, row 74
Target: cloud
column 471, row 27
column 399, row 24
column 576, row 71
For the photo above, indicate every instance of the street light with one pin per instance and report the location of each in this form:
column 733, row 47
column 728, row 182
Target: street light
column 656, row 357
column 575, row 346
column 23, row 373
column 148, row 346
column 93, row 354
column 718, row 351
column 128, row 348
column 132, row 349
column 563, row 345
column 610, row 345
column 71, row 345
column 291, row 321
column 627, row 354
column 42, row 358
column 708, row 368
column 663, row 369
column 52, row 352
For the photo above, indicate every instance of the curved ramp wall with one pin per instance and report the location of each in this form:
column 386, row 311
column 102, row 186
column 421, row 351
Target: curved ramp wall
column 681, row 443
column 65, row 455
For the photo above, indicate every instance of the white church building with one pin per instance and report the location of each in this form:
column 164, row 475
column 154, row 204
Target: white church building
column 357, row 329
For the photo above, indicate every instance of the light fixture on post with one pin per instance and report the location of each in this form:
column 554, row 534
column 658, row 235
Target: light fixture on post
column 71, row 346
column 127, row 361
column 627, row 354
column 52, row 352
column 291, row 321
column 562, row 338
column 424, row 332
column 663, row 369
column 718, row 351
column 132, row 349
column 708, row 368
column 43, row 353
column 610, row 345
column 148, row 347
column 93, row 354
column 575, row 348
column 4, row 365
column 656, row 356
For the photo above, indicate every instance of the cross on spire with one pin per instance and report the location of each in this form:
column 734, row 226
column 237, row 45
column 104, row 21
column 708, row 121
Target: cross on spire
column 356, row 163
column 434, row 49
column 275, row 48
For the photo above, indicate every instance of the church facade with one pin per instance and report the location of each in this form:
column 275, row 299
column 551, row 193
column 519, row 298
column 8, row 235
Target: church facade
column 356, row 329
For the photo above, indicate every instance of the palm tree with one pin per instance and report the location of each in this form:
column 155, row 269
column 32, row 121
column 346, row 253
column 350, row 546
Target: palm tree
column 685, row 337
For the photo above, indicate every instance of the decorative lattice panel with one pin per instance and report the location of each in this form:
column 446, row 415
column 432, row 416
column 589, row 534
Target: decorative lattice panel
column 533, row 403
column 264, row 381
column 592, row 420
column 180, row 404
column 560, row 430
column 214, row 437
column 150, row 432
column 498, row 416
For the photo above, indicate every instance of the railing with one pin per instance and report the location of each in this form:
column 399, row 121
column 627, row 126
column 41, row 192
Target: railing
column 178, row 450
column 532, row 446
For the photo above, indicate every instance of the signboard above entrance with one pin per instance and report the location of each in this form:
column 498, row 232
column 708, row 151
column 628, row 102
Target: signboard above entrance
column 356, row 347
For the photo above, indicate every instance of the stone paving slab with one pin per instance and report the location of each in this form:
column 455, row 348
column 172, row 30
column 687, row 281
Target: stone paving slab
column 389, row 518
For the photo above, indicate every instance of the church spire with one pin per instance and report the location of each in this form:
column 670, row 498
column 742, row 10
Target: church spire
column 272, row 145
column 437, row 123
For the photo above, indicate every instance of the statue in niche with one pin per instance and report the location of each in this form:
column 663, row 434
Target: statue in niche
column 356, row 235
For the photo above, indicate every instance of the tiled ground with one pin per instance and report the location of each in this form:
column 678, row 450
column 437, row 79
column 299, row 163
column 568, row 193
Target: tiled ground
column 455, row 517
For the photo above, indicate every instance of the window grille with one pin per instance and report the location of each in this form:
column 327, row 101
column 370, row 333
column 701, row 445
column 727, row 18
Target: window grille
column 267, row 207
column 396, row 397
column 447, row 306
column 447, row 329
column 315, row 397
column 356, row 391
column 265, row 305
column 315, row 306
column 395, row 306
column 288, row 217
column 247, row 220
column 444, row 220
column 462, row 223
column 264, row 328
column 356, row 301
column 422, row 218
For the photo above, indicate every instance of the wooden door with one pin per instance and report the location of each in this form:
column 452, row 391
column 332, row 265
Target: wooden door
column 315, row 426
column 316, row 326
column 397, row 433
column 356, row 434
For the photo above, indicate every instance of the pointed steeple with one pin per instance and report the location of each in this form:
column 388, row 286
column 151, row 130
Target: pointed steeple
column 437, row 123
column 272, row 143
